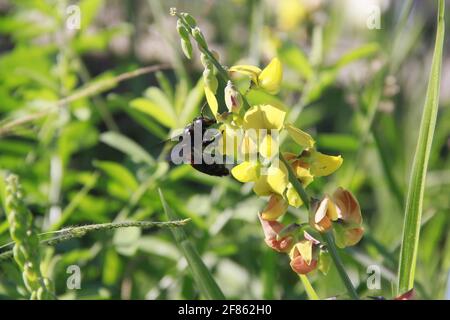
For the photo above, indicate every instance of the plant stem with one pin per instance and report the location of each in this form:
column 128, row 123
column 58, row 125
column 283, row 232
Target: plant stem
column 308, row 287
column 222, row 72
column 328, row 237
column 77, row 232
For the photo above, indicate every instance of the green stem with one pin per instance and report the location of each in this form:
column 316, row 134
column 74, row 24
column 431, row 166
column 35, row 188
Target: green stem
column 77, row 232
column 308, row 287
column 205, row 50
column 328, row 237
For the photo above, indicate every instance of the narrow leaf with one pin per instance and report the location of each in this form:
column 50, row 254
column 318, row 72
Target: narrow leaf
column 202, row 277
column 414, row 201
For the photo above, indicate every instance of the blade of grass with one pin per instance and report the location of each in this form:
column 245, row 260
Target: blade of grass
column 202, row 277
column 414, row 201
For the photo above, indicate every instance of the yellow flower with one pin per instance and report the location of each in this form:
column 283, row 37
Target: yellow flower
column 349, row 231
column 342, row 213
column 300, row 137
column 246, row 171
column 277, row 177
column 275, row 208
column 264, row 117
column 230, row 140
column 300, row 168
column 275, row 180
column 251, row 71
column 323, row 214
column 302, row 257
column 349, row 209
column 293, row 197
column 268, row 79
column 249, row 144
column 321, row 164
column 271, row 231
column 268, row 147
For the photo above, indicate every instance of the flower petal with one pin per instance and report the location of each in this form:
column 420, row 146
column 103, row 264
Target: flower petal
column 264, row 117
column 212, row 101
column 277, row 178
column 300, row 137
column 270, row 78
column 248, row 70
column 246, row 171
column 324, row 165
column 350, row 210
column 293, row 197
column 276, row 207
column 269, row 147
column 271, row 230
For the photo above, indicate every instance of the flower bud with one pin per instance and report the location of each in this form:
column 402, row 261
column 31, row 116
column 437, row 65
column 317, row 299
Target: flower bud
column 271, row 230
column 324, row 212
column 189, row 19
column 302, row 257
column 210, row 80
column 186, row 46
column 198, row 36
column 182, row 31
column 233, row 98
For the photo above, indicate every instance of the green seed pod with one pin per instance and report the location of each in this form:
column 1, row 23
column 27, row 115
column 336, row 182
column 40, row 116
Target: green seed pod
column 198, row 36
column 182, row 31
column 186, row 46
column 189, row 19
column 26, row 241
column 210, row 80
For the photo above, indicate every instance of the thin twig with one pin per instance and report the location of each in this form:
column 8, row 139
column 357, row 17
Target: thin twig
column 93, row 89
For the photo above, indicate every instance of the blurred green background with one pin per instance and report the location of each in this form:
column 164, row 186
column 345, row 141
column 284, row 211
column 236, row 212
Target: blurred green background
column 358, row 90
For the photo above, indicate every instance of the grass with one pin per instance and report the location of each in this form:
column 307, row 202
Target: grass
column 416, row 189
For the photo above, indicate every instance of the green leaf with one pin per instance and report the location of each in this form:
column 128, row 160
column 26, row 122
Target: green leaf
column 118, row 172
column 202, row 277
column 127, row 146
column 192, row 103
column 293, row 57
column 359, row 53
column 414, row 201
column 154, row 111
